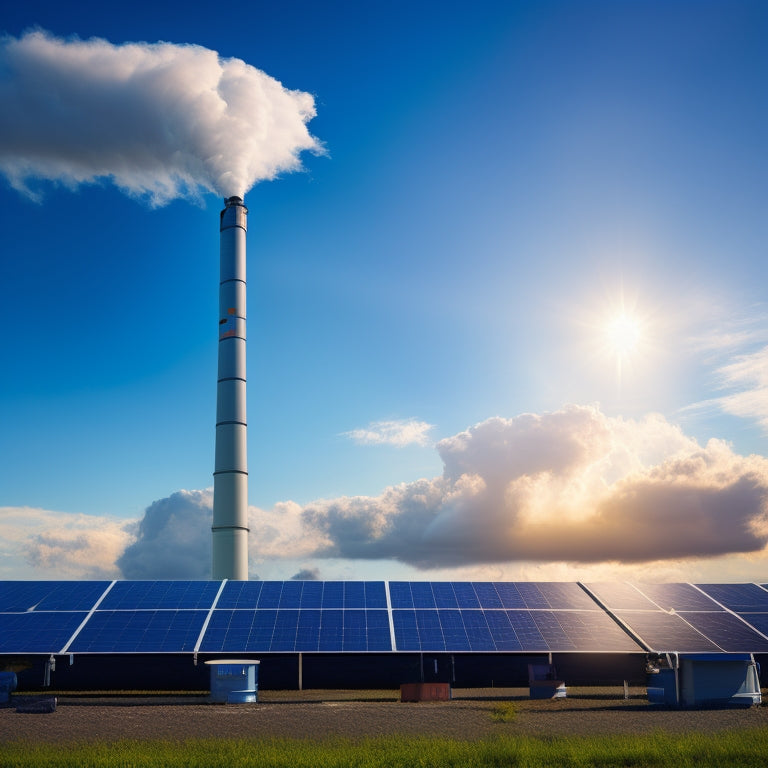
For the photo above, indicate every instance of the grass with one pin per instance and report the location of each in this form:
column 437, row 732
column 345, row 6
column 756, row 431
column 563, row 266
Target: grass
column 504, row 713
column 736, row 748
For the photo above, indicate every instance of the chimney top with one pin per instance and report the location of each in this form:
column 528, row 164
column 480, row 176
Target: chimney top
column 234, row 200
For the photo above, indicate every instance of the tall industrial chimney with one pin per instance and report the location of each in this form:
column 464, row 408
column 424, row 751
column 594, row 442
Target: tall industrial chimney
column 230, row 477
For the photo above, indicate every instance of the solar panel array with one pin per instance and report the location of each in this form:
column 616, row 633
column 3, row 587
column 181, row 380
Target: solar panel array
column 213, row 617
column 690, row 618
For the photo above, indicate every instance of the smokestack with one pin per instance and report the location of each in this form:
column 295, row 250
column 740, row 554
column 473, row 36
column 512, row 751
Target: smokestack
column 230, row 477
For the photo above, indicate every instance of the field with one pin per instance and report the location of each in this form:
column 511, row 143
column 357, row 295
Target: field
column 490, row 727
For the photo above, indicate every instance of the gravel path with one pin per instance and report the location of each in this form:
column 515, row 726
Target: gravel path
column 355, row 714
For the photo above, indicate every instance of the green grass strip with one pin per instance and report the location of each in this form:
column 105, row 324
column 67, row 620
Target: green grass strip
column 733, row 748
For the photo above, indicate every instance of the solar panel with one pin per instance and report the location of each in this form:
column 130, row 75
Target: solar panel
column 333, row 594
column 140, row 632
column 354, row 594
column 165, row 595
column 240, row 594
column 400, row 594
column 375, row 594
column 466, row 597
column 664, row 632
column 422, row 594
column 487, row 595
column 312, row 594
column 445, row 596
column 620, row 596
column 741, row 598
column 38, row 631
column 509, row 595
column 678, row 597
column 290, row 594
column 291, row 630
column 727, row 631
column 509, row 631
column 758, row 620
column 18, row 596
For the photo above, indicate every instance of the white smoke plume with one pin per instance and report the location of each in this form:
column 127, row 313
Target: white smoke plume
column 158, row 119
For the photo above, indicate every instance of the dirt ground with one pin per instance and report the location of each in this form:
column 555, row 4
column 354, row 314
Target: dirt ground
column 357, row 714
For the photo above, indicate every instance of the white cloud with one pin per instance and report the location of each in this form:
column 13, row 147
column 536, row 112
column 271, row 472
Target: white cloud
column 397, row 432
column 573, row 494
column 173, row 539
column 738, row 354
column 570, row 486
column 747, row 378
column 159, row 119
column 60, row 545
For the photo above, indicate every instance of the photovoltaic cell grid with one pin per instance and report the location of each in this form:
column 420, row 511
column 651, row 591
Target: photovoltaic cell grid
column 258, row 595
column 508, row 630
column 142, row 631
column 354, row 616
column 38, row 631
column 679, row 617
column 19, row 596
column 488, row 595
column 160, row 595
column 296, row 630
column 740, row 598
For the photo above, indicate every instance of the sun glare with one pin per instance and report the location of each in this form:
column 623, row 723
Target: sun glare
column 622, row 334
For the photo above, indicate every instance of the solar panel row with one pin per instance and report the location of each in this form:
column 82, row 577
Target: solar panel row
column 293, row 616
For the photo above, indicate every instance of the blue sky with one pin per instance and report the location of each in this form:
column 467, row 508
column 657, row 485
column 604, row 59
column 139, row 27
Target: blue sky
column 500, row 182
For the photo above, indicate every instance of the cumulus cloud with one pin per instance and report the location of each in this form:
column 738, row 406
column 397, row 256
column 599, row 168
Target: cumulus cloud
column 575, row 486
column 398, row 432
column 573, row 494
column 306, row 574
column 59, row 545
column 173, row 539
column 158, row 119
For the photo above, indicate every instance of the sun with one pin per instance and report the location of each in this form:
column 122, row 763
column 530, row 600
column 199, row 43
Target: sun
column 622, row 334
